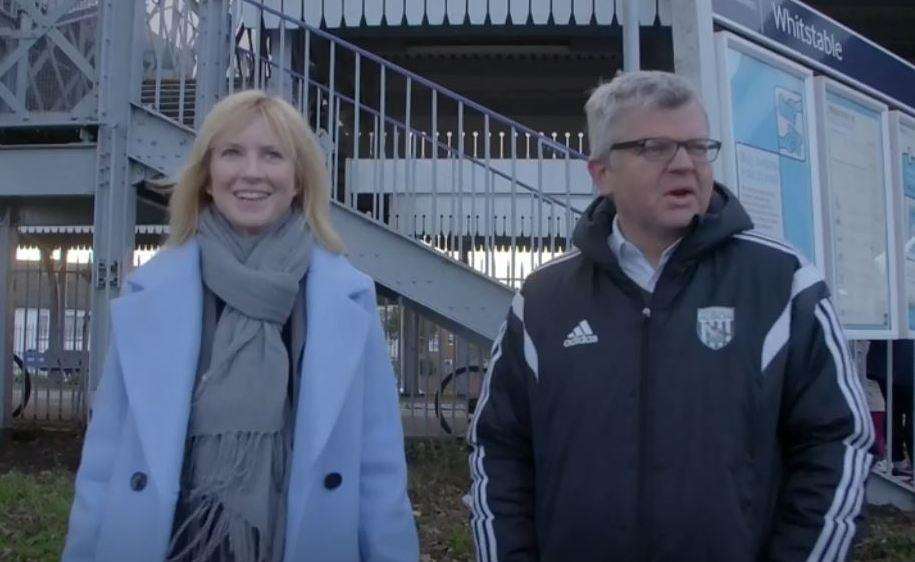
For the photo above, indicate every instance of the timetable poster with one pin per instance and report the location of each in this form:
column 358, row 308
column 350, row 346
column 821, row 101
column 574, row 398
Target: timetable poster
column 772, row 149
column 906, row 163
column 857, row 205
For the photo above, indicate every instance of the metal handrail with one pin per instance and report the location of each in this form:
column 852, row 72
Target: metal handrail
column 498, row 224
column 425, row 136
column 496, row 210
column 416, row 78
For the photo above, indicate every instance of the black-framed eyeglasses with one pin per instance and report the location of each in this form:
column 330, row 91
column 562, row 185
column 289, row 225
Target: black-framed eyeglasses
column 662, row 149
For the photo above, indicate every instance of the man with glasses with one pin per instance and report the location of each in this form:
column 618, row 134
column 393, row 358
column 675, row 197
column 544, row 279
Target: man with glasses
column 677, row 388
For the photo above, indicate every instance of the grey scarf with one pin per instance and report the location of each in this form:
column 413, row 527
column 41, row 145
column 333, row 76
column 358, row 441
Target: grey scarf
column 238, row 440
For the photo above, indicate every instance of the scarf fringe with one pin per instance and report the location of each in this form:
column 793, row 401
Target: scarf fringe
column 212, row 528
column 229, row 459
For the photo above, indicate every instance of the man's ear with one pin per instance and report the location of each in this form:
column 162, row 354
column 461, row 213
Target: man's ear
column 600, row 177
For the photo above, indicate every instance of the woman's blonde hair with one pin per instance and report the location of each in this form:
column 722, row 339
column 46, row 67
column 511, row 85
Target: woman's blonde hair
column 229, row 117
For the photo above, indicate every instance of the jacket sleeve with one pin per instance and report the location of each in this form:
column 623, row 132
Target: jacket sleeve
column 825, row 431
column 501, row 460
column 387, row 531
column 100, row 446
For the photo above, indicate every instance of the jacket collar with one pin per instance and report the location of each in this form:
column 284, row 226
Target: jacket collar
column 724, row 218
column 157, row 325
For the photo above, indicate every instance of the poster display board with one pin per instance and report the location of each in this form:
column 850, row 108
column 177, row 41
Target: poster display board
column 902, row 153
column 821, row 43
column 853, row 134
column 769, row 142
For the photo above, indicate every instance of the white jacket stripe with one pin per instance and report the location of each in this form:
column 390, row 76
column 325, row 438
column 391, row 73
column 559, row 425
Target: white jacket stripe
column 778, row 334
column 481, row 518
column 530, row 352
column 838, row 524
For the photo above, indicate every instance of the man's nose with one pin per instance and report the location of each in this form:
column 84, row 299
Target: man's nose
column 681, row 160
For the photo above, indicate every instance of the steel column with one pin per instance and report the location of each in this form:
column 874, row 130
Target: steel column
column 120, row 61
column 694, row 55
column 8, row 243
column 631, row 28
column 214, row 47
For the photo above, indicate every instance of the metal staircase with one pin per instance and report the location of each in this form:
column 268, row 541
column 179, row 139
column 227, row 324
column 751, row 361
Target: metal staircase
column 446, row 204
column 175, row 102
column 442, row 201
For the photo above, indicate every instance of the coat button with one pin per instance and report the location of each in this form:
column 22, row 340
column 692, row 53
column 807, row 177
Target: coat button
column 333, row 480
column 138, row 481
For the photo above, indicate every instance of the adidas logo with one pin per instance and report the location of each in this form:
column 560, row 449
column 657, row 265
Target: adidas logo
column 582, row 334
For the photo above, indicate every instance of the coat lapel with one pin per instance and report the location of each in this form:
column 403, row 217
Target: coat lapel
column 335, row 337
column 157, row 331
column 337, row 327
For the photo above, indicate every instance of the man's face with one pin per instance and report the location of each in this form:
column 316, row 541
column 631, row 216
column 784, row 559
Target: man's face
column 657, row 199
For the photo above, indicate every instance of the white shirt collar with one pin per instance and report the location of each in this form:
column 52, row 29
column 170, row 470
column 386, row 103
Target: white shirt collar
column 633, row 261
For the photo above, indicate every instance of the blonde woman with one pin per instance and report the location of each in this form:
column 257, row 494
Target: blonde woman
column 248, row 409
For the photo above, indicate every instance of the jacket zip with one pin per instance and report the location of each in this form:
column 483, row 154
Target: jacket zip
column 643, row 523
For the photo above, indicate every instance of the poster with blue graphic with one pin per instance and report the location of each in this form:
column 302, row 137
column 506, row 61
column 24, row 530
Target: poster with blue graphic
column 770, row 130
column 801, row 30
column 789, row 110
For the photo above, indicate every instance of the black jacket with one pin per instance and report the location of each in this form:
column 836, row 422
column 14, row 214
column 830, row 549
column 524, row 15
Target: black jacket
column 717, row 419
column 902, row 362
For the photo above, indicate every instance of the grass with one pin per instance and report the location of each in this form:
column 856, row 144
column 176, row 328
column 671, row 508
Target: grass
column 34, row 507
column 439, row 476
column 889, row 536
column 33, row 514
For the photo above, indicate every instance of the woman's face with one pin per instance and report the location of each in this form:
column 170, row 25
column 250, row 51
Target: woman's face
column 252, row 178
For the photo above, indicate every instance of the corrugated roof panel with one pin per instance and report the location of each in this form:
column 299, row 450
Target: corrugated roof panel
column 435, row 12
column 333, row 12
column 540, row 11
column 664, row 13
column 354, row 13
column 603, row 11
column 414, row 11
column 394, row 13
column 498, row 11
column 519, row 11
column 647, row 11
column 562, row 11
column 314, row 11
column 293, row 8
column 476, row 10
column 457, row 11
column 583, row 10
column 88, row 229
column 374, row 10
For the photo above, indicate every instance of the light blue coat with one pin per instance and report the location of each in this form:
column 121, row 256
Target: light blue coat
column 347, row 422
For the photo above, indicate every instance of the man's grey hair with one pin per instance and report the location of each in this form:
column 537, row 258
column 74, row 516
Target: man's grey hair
column 640, row 89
